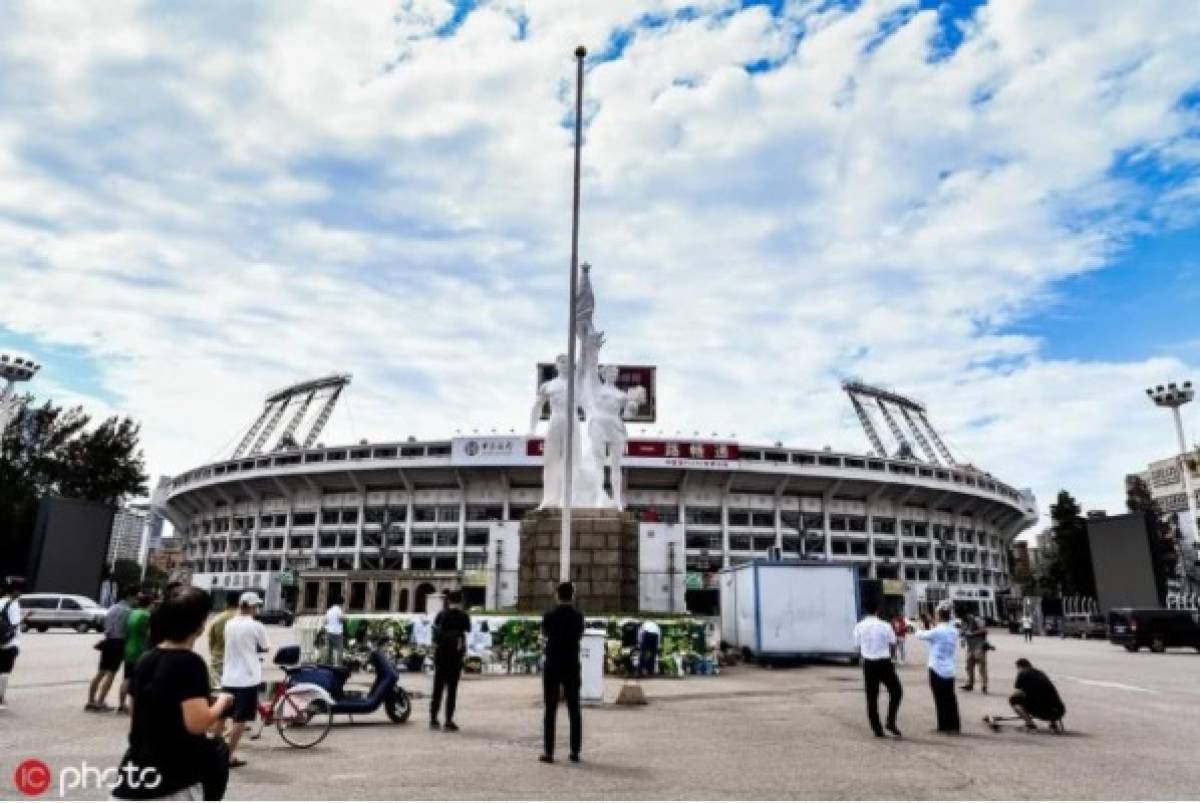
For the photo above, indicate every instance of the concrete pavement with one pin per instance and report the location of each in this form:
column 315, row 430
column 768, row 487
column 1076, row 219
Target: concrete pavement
column 1133, row 721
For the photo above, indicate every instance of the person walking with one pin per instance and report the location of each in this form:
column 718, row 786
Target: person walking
column 171, row 712
column 1027, row 627
column 112, row 651
column 876, row 642
column 10, row 633
column 216, row 639
column 450, row 629
column 137, row 641
column 335, row 630
column 562, row 628
column 943, row 645
column 649, row 640
column 245, row 638
column 977, row 649
column 900, row 628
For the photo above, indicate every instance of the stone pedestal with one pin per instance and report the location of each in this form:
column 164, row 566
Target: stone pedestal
column 604, row 560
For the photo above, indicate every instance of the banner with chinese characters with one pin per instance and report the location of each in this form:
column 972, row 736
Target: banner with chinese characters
column 674, row 454
column 491, row 450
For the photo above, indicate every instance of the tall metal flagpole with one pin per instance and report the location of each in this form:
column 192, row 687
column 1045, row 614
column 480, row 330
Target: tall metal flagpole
column 565, row 546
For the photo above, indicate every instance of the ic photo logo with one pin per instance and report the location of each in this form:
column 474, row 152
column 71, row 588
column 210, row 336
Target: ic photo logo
column 471, row 448
column 33, row 777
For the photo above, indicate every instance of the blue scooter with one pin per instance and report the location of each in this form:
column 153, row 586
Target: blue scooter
column 385, row 691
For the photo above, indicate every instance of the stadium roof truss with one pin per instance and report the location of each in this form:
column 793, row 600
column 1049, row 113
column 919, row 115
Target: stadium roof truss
column 865, row 397
column 297, row 402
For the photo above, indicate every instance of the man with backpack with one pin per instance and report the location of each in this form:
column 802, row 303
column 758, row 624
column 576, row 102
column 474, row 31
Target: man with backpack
column 450, row 629
column 10, row 621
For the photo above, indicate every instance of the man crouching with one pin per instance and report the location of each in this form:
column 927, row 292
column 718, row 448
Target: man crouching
column 1036, row 698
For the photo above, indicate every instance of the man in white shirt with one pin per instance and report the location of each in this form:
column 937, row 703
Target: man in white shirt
column 335, row 631
column 245, row 638
column 943, row 644
column 876, row 641
column 649, row 640
column 10, row 629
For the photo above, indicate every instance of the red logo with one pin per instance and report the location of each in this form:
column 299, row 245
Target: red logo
column 32, row 777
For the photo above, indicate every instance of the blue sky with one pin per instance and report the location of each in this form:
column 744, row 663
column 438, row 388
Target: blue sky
column 988, row 206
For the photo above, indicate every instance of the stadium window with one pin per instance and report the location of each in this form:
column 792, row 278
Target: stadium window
column 350, row 516
column 763, row 542
column 379, row 455
column 447, row 538
column 304, row 519
column 856, row 524
column 347, row 540
column 440, row 451
column 340, row 454
column 830, row 461
column 477, row 538
column 312, row 592
column 739, row 518
column 839, row 546
column 704, row 515
column 884, row 526
column 360, row 454
column 762, row 519
column 792, row 544
column 739, row 543
column 837, row 523
column 804, row 459
column 858, row 548
column 412, row 451
column 884, row 549
column 447, row 513
column 314, row 457
column 484, row 512
column 445, row 562
column 383, row 596
column 777, row 457
column 424, row 513
column 358, row 596
column 854, row 463
column 876, row 465
column 474, row 560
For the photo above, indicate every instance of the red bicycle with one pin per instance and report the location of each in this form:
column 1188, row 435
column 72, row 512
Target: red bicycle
column 302, row 713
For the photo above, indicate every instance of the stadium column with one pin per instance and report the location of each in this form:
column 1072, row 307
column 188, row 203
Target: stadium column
column 682, row 502
column 826, row 506
column 725, row 521
column 358, row 534
column 779, row 513
column 462, row 520
column 406, row 560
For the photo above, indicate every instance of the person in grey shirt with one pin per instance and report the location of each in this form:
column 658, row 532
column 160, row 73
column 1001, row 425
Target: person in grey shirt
column 112, row 651
column 975, row 637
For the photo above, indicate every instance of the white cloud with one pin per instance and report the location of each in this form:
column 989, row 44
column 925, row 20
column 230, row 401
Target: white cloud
column 229, row 205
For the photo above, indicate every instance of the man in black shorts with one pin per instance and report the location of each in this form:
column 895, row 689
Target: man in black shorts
column 112, row 651
column 1036, row 698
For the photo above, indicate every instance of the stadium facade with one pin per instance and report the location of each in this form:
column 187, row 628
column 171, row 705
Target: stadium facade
column 384, row 524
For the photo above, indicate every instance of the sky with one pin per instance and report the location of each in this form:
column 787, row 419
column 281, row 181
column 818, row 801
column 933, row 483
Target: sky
column 992, row 207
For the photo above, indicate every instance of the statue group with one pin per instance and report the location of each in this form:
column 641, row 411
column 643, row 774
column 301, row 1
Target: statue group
column 600, row 437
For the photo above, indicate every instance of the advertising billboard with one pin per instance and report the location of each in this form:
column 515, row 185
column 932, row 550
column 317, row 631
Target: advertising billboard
column 492, row 450
column 70, row 544
column 629, row 376
column 1123, row 560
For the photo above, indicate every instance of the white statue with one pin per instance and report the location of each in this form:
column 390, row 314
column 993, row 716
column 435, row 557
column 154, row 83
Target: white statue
column 554, row 453
column 604, row 405
column 607, row 436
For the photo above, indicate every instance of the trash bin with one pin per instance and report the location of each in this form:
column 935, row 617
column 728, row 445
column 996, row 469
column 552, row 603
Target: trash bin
column 591, row 664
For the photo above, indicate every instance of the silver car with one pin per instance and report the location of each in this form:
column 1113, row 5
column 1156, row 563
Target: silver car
column 41, row 612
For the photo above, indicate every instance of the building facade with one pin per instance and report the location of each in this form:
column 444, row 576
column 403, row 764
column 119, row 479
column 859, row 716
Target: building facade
column 125, row 543
column 423, row 511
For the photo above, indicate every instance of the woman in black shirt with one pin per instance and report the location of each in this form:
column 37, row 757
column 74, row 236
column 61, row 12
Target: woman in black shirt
column 170, row 756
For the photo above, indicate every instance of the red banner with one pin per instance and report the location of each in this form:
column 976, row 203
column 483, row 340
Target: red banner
column 661, row 450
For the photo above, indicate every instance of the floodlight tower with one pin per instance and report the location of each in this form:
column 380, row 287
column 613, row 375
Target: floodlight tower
column 13, row 369
column 1173, row 396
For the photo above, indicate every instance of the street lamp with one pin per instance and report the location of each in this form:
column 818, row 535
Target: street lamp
column 13, row 369
column 1174, row 396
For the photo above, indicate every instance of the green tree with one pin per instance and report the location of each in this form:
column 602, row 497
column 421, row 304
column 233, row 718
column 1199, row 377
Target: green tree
column 1069, row 569
column 51, row 450
column 1164, row 550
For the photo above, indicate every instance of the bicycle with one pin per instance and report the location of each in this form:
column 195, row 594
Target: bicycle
column 303, row 714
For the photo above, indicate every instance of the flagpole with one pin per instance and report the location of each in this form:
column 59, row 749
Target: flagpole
column 565, row 545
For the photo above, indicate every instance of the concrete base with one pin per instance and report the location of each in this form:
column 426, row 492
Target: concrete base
column 604, row 560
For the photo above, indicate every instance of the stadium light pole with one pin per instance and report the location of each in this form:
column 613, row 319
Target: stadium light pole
column 564, row 550
column 13, row 369
column 1173, row 397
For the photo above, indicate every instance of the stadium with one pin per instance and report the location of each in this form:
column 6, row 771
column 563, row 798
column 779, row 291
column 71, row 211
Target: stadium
column 385, row 524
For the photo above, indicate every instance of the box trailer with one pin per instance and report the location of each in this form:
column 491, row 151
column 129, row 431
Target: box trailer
column 779, row 610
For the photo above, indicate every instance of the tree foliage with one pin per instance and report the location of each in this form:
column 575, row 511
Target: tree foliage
column 1164, row 545
column 53, row 450
column 1068, row 564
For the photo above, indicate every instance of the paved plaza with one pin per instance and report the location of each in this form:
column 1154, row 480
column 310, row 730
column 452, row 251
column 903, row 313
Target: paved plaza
column 1133, row 720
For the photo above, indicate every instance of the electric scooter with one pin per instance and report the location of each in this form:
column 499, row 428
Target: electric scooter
column 385, row 691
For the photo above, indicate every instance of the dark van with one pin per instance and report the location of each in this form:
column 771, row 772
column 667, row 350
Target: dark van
column 1156, row 628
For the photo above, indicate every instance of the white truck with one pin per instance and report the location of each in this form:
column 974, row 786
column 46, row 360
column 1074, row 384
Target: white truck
column 788, row 610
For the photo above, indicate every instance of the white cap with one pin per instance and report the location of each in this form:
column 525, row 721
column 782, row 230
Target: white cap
column 250, row 600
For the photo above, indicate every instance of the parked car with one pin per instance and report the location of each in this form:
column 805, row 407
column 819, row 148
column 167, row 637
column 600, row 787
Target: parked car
column 1084, row 625
column 1051, row 625
column 41, row 612
column 1156, row 628
column 276, row 616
